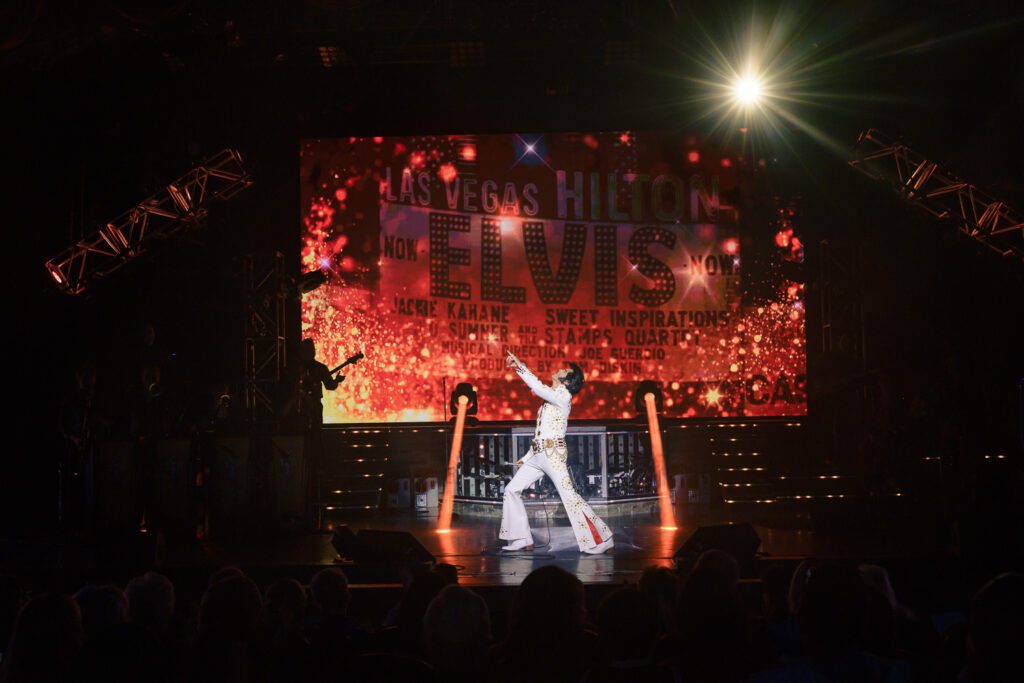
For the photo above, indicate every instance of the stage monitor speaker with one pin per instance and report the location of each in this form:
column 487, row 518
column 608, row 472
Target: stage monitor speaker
column 426, row 492
column 739, row 540
column 171, row 505
column 287, row 485
column 344, row 542
column 399, row 495
column 115, row 486
column 229, row 486
column 376, row 546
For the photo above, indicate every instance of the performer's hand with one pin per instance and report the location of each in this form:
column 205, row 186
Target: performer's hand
column 519, row 461
column 341, row 378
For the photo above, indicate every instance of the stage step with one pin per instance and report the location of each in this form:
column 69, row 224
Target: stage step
column 352, row 472
column 743, row 472
column 818, row 486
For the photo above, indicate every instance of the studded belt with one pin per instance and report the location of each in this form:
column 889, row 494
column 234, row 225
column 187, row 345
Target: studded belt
column 547, row 444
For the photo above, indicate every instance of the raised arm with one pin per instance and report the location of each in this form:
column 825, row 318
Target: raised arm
column 559, row 397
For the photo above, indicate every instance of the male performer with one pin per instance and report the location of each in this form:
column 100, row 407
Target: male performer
column 547, row 456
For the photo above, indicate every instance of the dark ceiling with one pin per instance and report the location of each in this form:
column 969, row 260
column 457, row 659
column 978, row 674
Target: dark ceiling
column 109, row 100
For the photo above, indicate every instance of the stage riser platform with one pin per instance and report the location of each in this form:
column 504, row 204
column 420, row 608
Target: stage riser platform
column 554, row 509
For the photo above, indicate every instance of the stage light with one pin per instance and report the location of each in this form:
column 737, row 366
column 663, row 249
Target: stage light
column 648, row 386
column 444, row 521
column 758, row 84
column 307, row 282
column 748, row 90
column 464, row 390
column 651, row 401
column 647, row 398
column 56, row 274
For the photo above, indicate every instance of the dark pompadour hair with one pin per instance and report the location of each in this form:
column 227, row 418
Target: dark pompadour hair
column 574, row 380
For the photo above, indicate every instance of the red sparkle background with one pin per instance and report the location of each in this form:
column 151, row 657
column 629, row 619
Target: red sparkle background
column 366, row 204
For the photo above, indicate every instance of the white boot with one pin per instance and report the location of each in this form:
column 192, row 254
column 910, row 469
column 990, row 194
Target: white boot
column 521, row 544
column 602, row 547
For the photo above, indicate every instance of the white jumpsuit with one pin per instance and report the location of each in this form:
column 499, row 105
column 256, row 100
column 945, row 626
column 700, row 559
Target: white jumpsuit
column 549, row 459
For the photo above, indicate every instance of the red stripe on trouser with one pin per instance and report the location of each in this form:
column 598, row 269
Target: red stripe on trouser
column 593, row 531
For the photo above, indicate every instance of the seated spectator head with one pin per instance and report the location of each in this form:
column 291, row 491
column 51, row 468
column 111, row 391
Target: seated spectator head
column 995, row 630
column 224, row 573
column 833, row 608
column 878, row 578
column 719, row 561
column 47, row 637
column 230, row 609
column 547, row 607
column 628, row 624
column 798, row 582
column 101, row 607
column 709, row 608
column 423, row 588
column 775, row 582
column 284, row 604
column 660, row 585
column 457, row 631
column 448, row 572
column 150, row 600
column 879, row 634
column 329, row 590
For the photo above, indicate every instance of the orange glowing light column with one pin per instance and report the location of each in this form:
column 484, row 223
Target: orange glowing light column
column 668, row 520
column 444, row 521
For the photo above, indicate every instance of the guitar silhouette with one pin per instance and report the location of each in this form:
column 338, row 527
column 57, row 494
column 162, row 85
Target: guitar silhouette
column 351, row 360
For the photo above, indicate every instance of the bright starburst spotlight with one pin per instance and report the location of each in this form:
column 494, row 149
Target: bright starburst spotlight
column 748, row 90
column 763, row 80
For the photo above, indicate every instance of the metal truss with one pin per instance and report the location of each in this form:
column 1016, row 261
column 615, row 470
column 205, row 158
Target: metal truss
column 842, row 301
column 178, row 205
column 265, row 298
column 939, row 192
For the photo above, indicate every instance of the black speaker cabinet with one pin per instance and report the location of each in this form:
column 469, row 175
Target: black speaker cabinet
column 739, row 540
column 376, row 555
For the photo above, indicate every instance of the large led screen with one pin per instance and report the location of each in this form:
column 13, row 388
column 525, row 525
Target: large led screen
column 619, row 251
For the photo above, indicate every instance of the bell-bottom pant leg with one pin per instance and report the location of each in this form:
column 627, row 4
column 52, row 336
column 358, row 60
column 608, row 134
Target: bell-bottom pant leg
column 514, row 522
column 590, row 530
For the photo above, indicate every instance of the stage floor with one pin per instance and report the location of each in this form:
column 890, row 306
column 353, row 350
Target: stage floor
column 883, row 533
column 473, row 545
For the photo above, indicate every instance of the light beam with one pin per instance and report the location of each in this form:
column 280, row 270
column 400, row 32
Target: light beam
column 668, row 520
column 444, row 521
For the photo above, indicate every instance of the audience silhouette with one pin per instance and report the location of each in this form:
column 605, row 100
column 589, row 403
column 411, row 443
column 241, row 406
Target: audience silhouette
column 822, row 621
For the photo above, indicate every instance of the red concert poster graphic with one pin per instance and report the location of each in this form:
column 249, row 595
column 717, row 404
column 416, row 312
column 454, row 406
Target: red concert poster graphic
column 617, row 251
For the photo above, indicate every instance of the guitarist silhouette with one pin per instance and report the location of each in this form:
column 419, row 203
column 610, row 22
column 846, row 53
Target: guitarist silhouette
column 312, row 375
